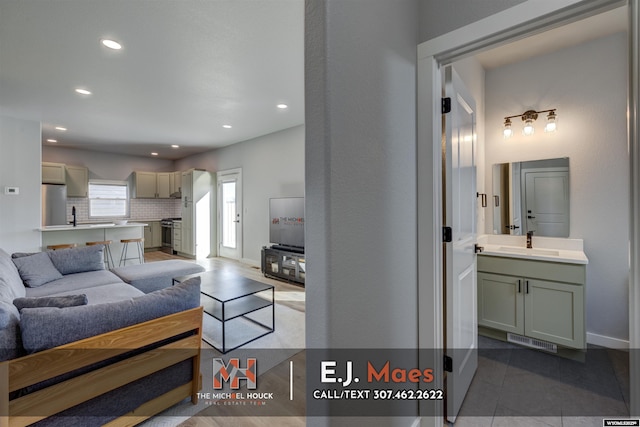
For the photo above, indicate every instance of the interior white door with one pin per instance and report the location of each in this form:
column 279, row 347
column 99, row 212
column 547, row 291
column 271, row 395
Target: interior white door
column 461, row 328
column 547, row 202
column 230, row 213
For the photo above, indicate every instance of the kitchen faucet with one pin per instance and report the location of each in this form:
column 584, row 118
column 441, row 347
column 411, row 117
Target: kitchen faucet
column 73, row 212
column 529, row 239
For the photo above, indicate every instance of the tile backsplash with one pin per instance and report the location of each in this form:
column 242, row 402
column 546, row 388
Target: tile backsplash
column 139, row 209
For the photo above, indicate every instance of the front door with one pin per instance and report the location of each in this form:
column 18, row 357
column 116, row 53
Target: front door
column 230, row 213
column 461, row 328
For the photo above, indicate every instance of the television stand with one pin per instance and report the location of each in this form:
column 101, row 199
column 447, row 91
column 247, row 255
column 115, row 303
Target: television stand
column 288, row 265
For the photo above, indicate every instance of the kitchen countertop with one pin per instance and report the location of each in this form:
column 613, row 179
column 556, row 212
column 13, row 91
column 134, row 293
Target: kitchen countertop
column 90, row 226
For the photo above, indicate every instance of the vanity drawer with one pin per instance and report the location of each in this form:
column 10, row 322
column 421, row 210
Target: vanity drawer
column 544, row 270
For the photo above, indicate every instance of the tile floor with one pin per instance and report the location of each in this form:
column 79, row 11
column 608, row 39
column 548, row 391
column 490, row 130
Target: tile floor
column 516, row 386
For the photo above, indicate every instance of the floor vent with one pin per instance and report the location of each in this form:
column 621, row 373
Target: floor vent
column 532, row 343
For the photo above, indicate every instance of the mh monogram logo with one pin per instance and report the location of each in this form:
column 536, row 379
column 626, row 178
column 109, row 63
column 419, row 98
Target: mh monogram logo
column 224, row 372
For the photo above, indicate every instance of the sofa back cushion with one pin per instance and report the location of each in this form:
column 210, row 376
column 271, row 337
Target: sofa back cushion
column 11, row 285
column 78, row 260
column 44, row 328
column 37, row 269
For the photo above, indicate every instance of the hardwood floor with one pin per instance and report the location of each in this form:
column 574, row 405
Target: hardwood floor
column 289, row 294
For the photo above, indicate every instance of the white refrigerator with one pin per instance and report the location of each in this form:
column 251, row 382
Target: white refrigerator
column 198, row 201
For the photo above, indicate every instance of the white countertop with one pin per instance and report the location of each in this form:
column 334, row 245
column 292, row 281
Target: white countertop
column 90, row 226
column 544, row 248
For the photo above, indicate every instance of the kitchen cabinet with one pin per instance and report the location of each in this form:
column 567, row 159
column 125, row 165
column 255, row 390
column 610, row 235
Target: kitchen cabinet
column 145, row 185
column 177, row 236
column 176, row 184
column 198, row 199
column 53, row 173
column 77, row 179
column 537, row 299
column 152, row 235
column 163, row 183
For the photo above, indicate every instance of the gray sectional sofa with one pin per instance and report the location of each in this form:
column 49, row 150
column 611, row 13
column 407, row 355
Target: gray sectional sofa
column 79, row 346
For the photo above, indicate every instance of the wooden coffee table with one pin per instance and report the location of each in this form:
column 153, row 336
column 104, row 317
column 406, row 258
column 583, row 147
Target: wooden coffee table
column 226, row 296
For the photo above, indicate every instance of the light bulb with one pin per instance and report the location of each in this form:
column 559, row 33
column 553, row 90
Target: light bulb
column 551, row 122
column 528, row 129
column 507, row 132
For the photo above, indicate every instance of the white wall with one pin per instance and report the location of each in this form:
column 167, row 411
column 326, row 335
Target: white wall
column 360, row 73
column 272, row 166
column 105, row 165
column 20, row 215
column 587, row 84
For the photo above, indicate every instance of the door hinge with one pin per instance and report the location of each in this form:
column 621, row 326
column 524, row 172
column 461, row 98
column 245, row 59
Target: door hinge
column 446, row 105
column 447, row 234
column 448, row 364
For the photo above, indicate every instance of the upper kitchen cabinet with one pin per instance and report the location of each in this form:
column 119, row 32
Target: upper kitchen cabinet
column 163, row 183
column 154, row 185
column 77, row 181
column 176, row 189
column 53, row 173
column 145, row 185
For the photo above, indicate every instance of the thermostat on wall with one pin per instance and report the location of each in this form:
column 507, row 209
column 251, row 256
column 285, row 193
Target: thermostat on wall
column 11, row 191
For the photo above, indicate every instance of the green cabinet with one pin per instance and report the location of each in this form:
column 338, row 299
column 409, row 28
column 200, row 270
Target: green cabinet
column 537, row 299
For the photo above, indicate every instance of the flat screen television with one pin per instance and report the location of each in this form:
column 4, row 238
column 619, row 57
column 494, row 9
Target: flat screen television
column 286, row 222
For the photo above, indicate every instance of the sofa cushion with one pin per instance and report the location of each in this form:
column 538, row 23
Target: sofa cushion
column 11, row 285
column 10, row 346
column 59, row 301
column 37, row 269
column 74, row 283
column 47, row 327
column 152, row 276
column 78, row 260
column 106, row 293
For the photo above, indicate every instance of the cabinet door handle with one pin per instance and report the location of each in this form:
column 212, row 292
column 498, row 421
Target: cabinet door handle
column 519, row 286
column 527, row 285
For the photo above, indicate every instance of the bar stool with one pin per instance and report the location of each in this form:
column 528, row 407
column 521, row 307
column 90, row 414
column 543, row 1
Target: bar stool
column 140, row 247
column 108, row 258
column 62, row 246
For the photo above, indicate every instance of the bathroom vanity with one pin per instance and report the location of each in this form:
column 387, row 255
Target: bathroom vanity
column 534, row 296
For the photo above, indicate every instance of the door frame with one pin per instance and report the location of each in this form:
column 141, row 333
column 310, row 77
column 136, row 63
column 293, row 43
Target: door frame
column 517, row 22
column 219, row 179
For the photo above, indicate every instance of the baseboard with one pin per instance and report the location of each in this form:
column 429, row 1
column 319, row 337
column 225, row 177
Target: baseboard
column 608, row 342
column 251, row 262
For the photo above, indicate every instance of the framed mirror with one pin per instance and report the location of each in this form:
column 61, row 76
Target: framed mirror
column 531, row 196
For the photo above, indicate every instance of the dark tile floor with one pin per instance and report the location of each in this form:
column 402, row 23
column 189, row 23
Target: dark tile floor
column 516, row 386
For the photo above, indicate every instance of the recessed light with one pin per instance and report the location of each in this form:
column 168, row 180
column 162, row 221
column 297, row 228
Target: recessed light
column 83, row 91
column 53, row 141
column 111, row 44
column 282, row 106
column 154, row 154
column 227, row 126
column 61, row 129
column 175, row 146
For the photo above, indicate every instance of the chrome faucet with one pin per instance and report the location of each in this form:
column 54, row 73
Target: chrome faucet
column 529, row 239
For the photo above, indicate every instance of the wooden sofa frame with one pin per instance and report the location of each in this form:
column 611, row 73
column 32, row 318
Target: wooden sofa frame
column 28, row 370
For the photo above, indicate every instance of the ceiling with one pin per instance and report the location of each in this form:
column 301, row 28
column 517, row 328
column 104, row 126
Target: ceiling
column 186, row 69
column 591, row 28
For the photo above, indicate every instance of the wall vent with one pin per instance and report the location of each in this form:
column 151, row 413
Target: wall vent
column 532, row 343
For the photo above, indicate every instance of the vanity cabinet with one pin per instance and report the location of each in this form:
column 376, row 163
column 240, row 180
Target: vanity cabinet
column 538, row 299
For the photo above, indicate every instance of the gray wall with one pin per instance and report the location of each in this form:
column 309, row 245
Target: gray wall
column 20, row 215
column 361, row 176
column 272, row 166
column 438, row 17
column 587, row 84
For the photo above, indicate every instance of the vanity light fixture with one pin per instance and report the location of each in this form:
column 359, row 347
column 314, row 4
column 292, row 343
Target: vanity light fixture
column 529, row 117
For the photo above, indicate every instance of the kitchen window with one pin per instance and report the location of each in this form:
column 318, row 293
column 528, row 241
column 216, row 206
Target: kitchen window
column 108, row 199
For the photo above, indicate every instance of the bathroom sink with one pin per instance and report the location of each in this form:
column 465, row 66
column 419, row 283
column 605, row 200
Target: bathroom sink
column 525, row 251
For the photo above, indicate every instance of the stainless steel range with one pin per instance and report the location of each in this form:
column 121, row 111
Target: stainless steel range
column 167, row 234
